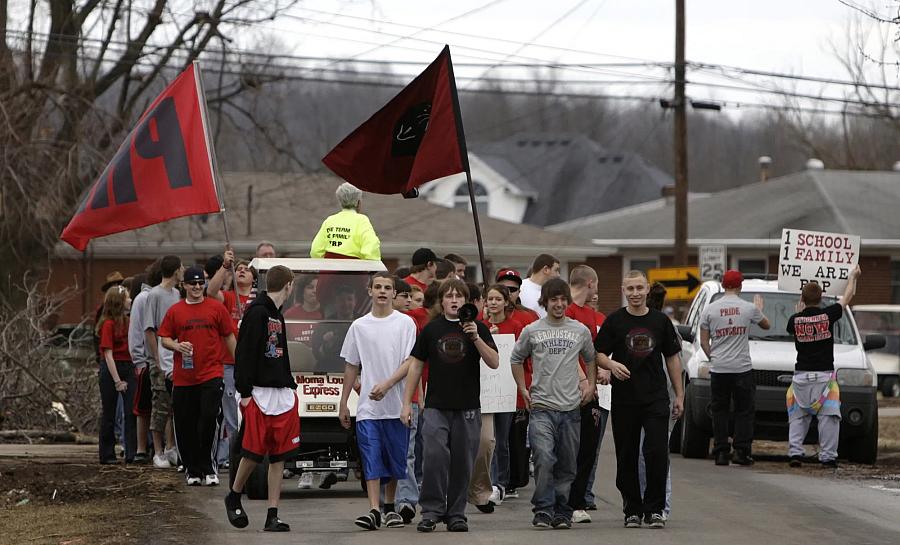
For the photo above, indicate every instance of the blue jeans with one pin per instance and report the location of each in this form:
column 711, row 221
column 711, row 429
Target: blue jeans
column 500, row 462
column 229, row 413
column 554, row 438
column 589, row 498
column 408, row 488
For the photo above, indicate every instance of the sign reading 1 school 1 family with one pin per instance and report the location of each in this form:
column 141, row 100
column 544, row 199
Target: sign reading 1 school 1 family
column 826, row 258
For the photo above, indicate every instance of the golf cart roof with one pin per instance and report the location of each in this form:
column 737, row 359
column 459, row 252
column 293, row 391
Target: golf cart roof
column 298, row 264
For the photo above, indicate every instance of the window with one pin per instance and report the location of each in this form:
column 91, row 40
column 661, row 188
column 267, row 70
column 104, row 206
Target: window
column 461, row 197
column 895, row 282
column 753, row 266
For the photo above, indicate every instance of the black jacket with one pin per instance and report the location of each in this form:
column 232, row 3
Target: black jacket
column 261, row 357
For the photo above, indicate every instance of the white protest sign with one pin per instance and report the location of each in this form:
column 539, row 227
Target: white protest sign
column 498, row 387
column 712, row 262
column 826, row 258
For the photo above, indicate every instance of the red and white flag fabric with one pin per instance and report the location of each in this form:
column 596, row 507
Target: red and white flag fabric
column 163, row 170
column 415, row 138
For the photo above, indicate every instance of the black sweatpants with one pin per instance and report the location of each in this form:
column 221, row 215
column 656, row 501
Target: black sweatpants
column 587, row 450
column 627, row 422
column 197, row 414
column 519, row 453
column 742, row 389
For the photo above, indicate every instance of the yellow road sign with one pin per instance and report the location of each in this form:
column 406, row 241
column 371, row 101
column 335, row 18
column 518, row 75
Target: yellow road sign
column 681, row 283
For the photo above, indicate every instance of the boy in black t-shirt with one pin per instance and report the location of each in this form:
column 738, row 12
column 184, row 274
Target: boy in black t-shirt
column 631, row 344
column 814, row 390
column 451, row 424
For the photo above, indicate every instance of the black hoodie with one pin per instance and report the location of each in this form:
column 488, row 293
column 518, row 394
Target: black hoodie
column 261, row 357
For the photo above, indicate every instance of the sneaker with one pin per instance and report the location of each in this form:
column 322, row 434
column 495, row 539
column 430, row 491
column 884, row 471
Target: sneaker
column 193, row 481
column 656, row 521
column 591, row 507
column 141, row 458
column 225, row 465
column 369, row 521
column 830, row 464
column 632, row 521
column 498, row 494
column 580, row 516
column 235, row 511
column 161, row 462
column 328, row 481
column 486, row 508
column 512, row 493
column 458, row 526
column 393, row 520
column 742, row 459
column 211, row 480
column 171, row 454
column 722, row 459
column 180, row 468
column 561, row 523
column 305, row 482
column 407, row 512
column 541, row 520
column 426, row 525
column 796, row 461
column 275, row 524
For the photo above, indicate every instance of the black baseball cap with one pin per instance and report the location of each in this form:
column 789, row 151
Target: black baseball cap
column 194, row 274
column 422, row 256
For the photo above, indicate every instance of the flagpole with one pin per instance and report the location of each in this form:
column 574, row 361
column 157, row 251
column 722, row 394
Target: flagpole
column 464, row 155
column 214, row 164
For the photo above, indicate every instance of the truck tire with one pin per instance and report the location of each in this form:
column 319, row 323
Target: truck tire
column 891, row 387
column 257, row 487
column 694, row 441
column 863, row 450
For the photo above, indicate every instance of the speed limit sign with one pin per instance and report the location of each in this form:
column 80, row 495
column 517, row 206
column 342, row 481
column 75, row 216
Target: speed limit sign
column 712, row 262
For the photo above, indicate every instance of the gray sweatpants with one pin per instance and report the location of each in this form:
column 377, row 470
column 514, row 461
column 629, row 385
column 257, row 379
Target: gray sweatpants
column 450, row 441
column 829, row 433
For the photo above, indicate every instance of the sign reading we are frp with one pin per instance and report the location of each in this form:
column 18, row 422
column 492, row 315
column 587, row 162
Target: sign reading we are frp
column 826, row 258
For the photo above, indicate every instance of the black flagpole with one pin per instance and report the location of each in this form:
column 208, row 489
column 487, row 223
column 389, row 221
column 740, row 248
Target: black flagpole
column 464, row 155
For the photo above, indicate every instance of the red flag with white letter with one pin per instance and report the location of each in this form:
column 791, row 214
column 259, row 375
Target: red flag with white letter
column 415, row 138
column 163, row 169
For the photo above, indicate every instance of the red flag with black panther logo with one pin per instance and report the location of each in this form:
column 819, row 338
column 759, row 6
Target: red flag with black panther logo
column 163, row 170
column 415, row 138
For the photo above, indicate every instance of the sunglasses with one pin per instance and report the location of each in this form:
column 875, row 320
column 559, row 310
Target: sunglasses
column 511, row 289
column 195, row 283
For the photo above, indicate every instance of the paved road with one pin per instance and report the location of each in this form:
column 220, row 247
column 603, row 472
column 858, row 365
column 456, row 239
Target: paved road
column 712, row 505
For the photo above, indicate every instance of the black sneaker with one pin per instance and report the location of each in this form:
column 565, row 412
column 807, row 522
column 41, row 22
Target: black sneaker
column 656, row 521
column 741, row 458
column 796, row 461
column 458, row 526
column 236, row 514
column 426, row 525
column 329, row 480
column 541, row 520
column 591, row 507
column 561, row 523
column 369, row 521
column 141, row 458
column 275, row 524
column 722, row 459
column 486, row 508
column 633, row 521
column 830, row 464
column 408, row 512
column 393, row 520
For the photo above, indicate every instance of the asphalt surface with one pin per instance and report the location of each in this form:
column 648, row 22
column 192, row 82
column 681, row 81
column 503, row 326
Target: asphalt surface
column 711, row 505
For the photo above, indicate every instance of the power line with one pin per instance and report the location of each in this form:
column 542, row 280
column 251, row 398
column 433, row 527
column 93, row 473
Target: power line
column 817, row 79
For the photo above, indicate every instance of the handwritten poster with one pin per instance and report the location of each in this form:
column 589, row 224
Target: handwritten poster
column 498, row 387
column 826, row 258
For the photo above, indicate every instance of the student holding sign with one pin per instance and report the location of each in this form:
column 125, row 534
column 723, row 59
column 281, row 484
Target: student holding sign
column 814, row 389
column 555, row 398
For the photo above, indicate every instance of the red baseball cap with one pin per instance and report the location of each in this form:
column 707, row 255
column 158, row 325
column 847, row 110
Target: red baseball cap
column 732, row 279
column 510, row 274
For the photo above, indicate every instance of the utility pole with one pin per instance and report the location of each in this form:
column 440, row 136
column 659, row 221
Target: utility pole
column 680, row 141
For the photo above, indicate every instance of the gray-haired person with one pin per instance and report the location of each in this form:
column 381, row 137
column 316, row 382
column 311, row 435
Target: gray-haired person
column 347, row 233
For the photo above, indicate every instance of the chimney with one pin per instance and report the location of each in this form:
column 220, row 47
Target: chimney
column 815, row 164
column 764, row 163
column 668, row 193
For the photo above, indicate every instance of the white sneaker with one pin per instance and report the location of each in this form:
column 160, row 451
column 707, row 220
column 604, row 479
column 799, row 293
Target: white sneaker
column 580, row 516
column 161, row 462
column 194, row 481
column 172, row 455
column 497, row 495
column 211, row 480
column 306, row 481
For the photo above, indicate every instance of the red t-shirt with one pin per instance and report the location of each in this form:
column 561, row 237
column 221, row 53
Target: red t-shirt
column 420, row 317
column 230, row 303
column 203, row 325
column 506, row 327
column 297, row 312
column 115, row 339
column 524, row 316
column 589, row 317
column 413, row 281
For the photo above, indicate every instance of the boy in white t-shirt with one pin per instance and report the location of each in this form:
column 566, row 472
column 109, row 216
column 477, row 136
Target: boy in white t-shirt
column 379, row 342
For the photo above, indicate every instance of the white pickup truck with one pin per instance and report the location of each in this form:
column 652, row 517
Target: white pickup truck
column 774, row 357
column 884, row 320
column 328, row 295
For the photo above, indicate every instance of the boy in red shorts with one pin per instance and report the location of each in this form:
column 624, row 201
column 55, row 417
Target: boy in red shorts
column 262, row 376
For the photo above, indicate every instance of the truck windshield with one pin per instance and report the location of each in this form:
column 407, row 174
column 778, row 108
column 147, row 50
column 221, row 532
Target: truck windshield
column 781, row 306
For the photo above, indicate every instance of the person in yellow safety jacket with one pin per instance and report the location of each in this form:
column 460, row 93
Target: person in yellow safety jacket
column 347, row 234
